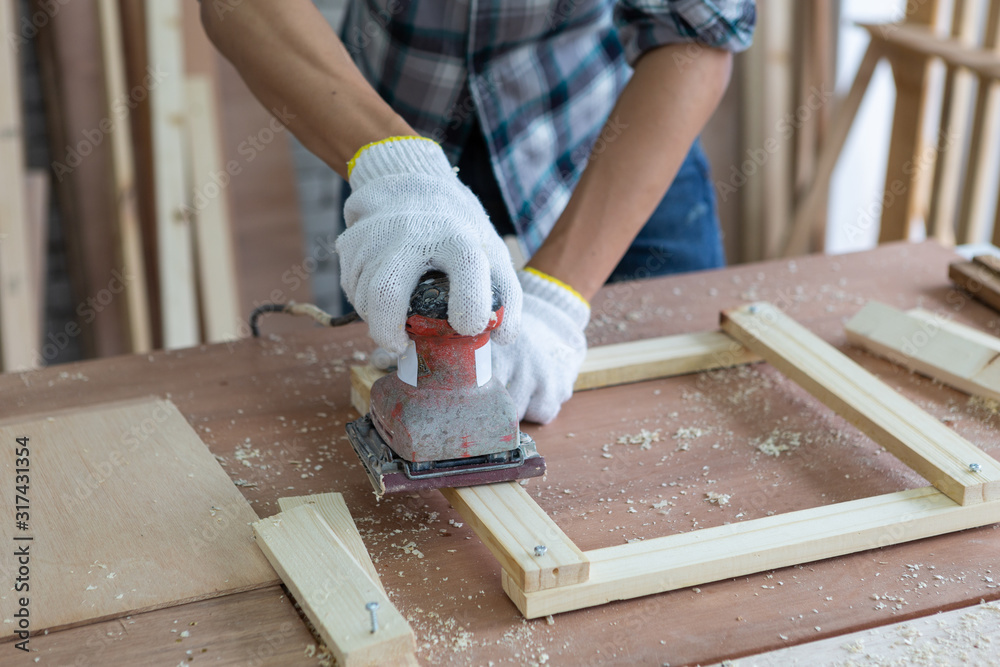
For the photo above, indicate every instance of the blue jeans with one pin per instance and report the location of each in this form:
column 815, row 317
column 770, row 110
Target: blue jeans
column 683, row 232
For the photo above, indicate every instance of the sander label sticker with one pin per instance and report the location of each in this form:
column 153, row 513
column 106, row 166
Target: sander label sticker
column 484, row 363
column 406, row 366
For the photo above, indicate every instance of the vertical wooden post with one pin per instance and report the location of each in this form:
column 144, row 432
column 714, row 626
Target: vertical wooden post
column 981, row 173
column 904, row 199
column 954, row 123
column 178, row 296
column 128, row 235
column 19, row 321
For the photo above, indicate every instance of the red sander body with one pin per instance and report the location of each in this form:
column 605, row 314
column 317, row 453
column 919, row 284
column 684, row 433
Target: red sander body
column 442, row 419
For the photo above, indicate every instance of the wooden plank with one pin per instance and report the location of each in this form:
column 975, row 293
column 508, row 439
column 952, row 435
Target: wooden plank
column 178, row 293
column 909, row 162
column 810, row 203
column 37, row 205
column 333, row 509
column 776, row 174
column 635, row 361
column 128, row 235
column 332, row 589
column 620, row 363
column 921, row 41
column 219, row 295
column 136, row 50
column 734, row 550
column 978, row 281
column 922, row 442
column 966, row 636
column 928, row 349
column 982, row 170
column 956, row 108
column 988, row 262
column 20, row 321
column 511, row 524
column 957, row 328
column 78, row 124
column 130, row 512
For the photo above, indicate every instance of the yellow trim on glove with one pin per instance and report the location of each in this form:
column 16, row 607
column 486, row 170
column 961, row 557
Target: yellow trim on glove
column 350, row 163
column 556, row 281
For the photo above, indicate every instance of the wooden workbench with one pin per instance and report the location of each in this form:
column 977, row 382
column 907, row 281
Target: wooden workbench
column 274, row 410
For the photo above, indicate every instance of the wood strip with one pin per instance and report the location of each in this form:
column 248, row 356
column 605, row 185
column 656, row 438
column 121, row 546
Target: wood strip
column 178, row 293
column 958, row 99
column 988, row 262
column 135, row 511
column 620, row 363
column 216, row 265
column 978, row 281
column 127, row 230
column 652, row 358
column 903, row 182
column 776, row 174
column 332, row 589
column 733, row 550
column 933, row 450
column 808, row 208
column 37, row 205
column 927, row 348
column 20, row 319
column 966, row 636
column 965, row 331
column 982, row 172
column 511, row 524
column 333, row 509
column 922, row 41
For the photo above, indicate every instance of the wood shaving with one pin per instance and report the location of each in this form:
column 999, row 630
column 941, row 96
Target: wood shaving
column 778, row 441
column 718, row 498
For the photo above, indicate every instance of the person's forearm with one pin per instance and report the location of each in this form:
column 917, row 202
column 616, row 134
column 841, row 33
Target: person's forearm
column 649, row 132
column 292, row 60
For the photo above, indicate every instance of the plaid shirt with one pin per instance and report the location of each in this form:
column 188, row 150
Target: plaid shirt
column 539, row 76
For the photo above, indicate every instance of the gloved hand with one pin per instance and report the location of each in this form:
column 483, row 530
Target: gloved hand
column 540, row 367
column 408, row 213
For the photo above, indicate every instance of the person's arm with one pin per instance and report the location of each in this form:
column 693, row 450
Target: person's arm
column 657, row 117
column 408, row 212
column 291, row 59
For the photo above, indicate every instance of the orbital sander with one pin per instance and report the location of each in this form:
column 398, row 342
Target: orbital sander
column 442, row 419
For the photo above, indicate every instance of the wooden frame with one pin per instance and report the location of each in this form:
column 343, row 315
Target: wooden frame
column 563, row 578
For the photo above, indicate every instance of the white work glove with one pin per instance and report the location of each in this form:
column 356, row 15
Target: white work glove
column 539, row 369
column 408, row 213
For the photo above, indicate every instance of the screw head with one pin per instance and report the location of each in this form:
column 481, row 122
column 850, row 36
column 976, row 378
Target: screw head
column 975, row 467
column 372, row 606
column 540, row 550
column 752, row 309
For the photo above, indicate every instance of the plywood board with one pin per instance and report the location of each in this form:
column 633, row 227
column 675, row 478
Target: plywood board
column 333, row 590
column 128, row 511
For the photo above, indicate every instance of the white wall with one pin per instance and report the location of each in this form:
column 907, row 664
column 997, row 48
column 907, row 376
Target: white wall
column 859, row 178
